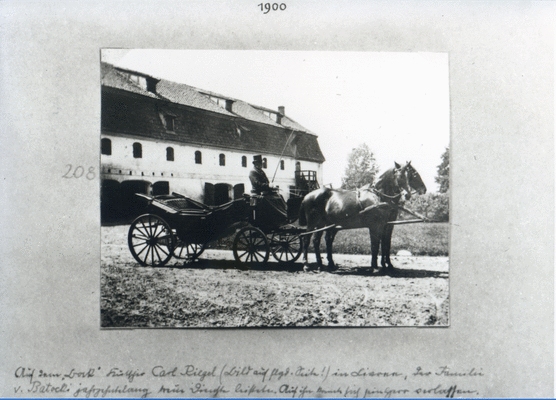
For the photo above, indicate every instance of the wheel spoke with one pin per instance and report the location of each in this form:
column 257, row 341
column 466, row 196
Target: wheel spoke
column 144, row 227
column 143, row 249
column 148, row 227
column 154, row 226
column 140, row 237
column 143, row 230
column 163, row 230
column 157, row 246
column 291, row 253
column 147, row 254
column 155, row 250
column 179, row 252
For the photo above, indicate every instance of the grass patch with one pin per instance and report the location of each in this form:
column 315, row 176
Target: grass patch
column 422, row 239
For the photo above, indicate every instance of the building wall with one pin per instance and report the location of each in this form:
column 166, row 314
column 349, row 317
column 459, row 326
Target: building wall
column 183, row 174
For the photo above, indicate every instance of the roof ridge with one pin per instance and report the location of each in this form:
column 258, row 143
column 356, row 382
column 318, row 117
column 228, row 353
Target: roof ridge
column 258, row 115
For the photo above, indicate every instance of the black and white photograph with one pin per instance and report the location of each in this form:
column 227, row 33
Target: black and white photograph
column 301, row 199
column 274, row 189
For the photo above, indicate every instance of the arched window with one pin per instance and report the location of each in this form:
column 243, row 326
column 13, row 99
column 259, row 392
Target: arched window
column 244, row 161
column 198, row 157
column 282, row 165
column 169, row 154
column 106, row 147
column 264, row 162
column 222, row 159
column 137, row 150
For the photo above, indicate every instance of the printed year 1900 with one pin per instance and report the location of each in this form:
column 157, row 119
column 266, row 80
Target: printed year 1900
column 268, row 7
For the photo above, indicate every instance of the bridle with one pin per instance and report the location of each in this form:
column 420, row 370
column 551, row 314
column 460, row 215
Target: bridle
column 411, row 175
column 386, row 197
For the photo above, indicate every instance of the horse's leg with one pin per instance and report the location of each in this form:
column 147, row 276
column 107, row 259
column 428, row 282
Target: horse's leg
column 386, row 243
column 329, row 238
column 316, row 244
column 375, row 246
column 306, row 242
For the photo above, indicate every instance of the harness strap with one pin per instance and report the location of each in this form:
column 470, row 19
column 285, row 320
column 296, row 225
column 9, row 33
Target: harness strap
column 358, row 198
column 392, row 198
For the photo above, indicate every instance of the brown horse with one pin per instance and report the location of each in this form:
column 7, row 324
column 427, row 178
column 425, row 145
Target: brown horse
column 368, row 207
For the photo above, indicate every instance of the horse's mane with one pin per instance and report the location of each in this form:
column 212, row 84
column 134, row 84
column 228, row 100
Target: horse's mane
column 384, row 177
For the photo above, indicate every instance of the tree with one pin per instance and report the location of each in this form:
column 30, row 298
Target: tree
column 361, row 169
column 434, row 206
column 443, row 172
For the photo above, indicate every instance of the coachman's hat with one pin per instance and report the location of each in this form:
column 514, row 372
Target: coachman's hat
column 257, row 159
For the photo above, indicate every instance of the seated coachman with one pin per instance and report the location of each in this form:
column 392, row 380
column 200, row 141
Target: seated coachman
column 270, row 205
column 257, row 176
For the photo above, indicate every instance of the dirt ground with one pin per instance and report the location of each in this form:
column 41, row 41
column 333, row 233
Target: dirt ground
column 213, row 292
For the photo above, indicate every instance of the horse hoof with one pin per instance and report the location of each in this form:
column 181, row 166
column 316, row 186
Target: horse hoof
column 381, row 271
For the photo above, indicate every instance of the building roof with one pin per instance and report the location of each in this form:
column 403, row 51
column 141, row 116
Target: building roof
column 111, row 77
column 186, row 95
column 129, row 108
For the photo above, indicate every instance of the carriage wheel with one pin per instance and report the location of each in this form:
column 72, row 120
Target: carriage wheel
column 188, row 251
column 150, row 240
column 286, row 248
column 251, row 246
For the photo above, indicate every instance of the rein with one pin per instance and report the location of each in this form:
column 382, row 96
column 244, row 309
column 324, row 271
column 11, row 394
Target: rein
column 375, row 191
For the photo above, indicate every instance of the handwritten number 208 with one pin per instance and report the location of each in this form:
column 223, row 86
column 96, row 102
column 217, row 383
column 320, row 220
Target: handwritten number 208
column 267, row 7
column 79, row 172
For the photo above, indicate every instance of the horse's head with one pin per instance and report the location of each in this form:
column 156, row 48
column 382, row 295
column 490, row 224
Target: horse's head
column 401, row 180
column 414, row 179
column 408, row 179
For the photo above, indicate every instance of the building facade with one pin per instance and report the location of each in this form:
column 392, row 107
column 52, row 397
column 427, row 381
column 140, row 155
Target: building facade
column 159, row 137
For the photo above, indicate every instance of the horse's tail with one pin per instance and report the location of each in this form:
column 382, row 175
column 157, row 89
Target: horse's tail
column 302, row 215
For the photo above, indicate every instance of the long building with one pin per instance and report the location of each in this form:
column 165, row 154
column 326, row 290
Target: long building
column 159, row 137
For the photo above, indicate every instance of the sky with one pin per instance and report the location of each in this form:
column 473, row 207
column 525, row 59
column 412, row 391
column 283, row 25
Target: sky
column 396, row 103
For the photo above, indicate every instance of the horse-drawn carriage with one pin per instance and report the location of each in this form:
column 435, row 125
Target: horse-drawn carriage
column 176, row 225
